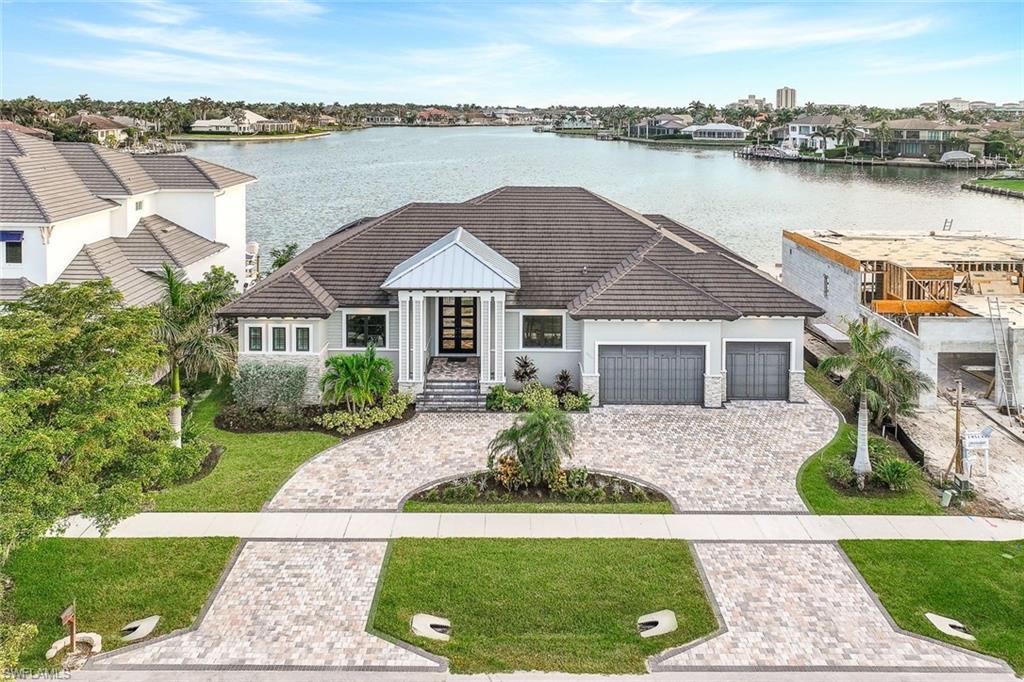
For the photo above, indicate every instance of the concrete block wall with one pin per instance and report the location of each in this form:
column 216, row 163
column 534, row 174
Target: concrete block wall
column 804, row 272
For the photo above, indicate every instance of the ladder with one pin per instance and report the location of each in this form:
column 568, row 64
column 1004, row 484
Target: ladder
column 1004, row 370
column 948, row 225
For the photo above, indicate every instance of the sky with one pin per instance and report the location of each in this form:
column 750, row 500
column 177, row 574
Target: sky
column 513, row 53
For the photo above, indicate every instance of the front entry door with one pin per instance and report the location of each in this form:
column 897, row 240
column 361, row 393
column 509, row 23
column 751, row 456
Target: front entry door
column 457, row 325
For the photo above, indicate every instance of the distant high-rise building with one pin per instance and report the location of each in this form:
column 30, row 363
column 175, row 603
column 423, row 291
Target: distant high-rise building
column 752, row 101
column 785, row 98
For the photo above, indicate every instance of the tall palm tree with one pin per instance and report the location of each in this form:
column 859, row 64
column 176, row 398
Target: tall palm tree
column 883, row 133
column 195, row 342
column 824, row 132
column 847, row 132
column 880, row 377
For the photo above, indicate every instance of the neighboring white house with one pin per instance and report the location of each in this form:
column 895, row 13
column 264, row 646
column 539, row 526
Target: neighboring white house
column 249, row 122
column 716, row 131
column 802, row 132
column 636, row 308
column 379, row 119
column 101, row 126
column 578, row 120
column 73, row 211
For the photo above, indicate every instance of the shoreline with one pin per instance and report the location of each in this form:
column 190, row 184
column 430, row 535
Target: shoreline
column 228, row 137
column 896, row 163
column 663, row 143
column 998, row 191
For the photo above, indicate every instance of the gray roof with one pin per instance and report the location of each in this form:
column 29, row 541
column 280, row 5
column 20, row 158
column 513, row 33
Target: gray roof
column 131, row 261
column 457, row 260
column 46, row 182
column 12, row 288
column 574, row 250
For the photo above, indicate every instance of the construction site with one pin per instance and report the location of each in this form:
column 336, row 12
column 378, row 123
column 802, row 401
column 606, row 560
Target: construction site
column 953, row 302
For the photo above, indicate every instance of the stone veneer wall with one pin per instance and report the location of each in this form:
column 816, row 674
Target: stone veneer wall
column 714, row 389
column 591, row 385
column 797, row 387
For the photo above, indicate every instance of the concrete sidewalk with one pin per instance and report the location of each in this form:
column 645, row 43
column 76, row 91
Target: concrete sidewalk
column 708, row 527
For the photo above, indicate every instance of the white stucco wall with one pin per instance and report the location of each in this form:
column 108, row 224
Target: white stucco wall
column 68, row 238
column 804, row 272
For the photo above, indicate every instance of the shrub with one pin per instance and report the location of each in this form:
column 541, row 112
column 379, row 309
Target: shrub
column 839, row 469
column 878, row 448
column 500, row 399
column 563, row 383
column 508, row 472
column 576, row 477
column 576, row 402
column 896, row 473
column 525, row 370
column 358, row 380
column 539, row 440
column 537, row 396
column 234, row 418
column 460, row 492
column 391, row 406
column 277, row 386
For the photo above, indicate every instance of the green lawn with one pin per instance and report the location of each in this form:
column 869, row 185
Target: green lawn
column 661, row 507
column 252, row 467
column 567, row 605
column 1016, row 185
column 968, row 581
column 824, row 387
column 822, row 498
column 114, row 581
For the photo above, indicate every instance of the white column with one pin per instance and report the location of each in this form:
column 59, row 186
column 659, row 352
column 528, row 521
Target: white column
column 403, row 336
column 417, row 337
column 485, row 343
column 499, row 337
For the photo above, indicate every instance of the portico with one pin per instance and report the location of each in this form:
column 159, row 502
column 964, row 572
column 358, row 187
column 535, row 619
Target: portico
column 451, row 303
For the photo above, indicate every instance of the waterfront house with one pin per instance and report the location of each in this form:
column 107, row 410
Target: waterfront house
column 718, row 131
column 382, row 119
column 802, row 132
column 636, row 308
column 248, row 122
column 26, row 130
column 662, row 124
column 73, row 211
column 103, row 128
column 133, row 122
column 434, row 116
column 914, row 138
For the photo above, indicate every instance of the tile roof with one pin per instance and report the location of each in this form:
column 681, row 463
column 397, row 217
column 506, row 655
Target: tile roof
column 18, row 128
column 46, row 182
column 574, row 249
column 94, row 121
column 12, row 288
column 131, row 261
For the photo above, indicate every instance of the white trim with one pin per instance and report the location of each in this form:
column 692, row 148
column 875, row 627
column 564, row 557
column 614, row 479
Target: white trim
column 293, row 337
column 540, row 312
column 266, row 326
column 345, row 312
column 263, row 338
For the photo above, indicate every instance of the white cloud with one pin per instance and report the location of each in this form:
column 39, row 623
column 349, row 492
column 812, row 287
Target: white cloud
column 161, row 12
column 209, row 41
column 710, row 29
column 283, row 10
column 929, row 66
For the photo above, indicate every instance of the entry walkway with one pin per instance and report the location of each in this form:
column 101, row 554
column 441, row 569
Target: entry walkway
column 707, row 527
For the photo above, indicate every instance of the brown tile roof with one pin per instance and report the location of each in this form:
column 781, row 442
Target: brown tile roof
column 12, row 288
column 574, row 249
column 105, row 259
column 94, row 121
column 45, row 182
column 26, row 130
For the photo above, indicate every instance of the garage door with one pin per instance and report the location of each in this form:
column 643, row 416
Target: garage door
column 651, row 374
column 757, row 371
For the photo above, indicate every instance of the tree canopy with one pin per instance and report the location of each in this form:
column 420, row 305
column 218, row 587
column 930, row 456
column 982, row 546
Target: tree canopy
column 83, row 427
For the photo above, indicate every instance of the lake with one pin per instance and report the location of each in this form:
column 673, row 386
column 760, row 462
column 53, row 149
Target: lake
column 308, row 188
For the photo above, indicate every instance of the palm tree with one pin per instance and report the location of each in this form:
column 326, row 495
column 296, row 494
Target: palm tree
column 880, row 377
column 357, row 380
column 824, row 132
column 195, row 342
column 883, row 134
column 540, row 440
column 847, row 131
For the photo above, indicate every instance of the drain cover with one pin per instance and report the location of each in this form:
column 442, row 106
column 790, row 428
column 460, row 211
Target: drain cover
column 951, row 627
column 657, row 623
column 431, row 627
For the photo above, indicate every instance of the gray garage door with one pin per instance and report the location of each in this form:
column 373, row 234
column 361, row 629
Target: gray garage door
column 757, row 371
column 651, row 374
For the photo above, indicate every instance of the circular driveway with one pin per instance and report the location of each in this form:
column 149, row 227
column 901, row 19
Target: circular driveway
column 741, row 458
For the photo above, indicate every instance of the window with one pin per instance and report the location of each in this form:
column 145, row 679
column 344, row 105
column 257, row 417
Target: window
column 301, row 339
column 279, row 339
column 365, row 330
column 542, row 331
column 256, row 339
column 138, row 205
column 12, row 253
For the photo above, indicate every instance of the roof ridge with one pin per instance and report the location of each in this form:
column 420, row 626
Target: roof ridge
column 194, row 161
column 610, row 277
column 691, row 284
column 28, row 188
column 203, row 172
column 159, row 240
column 477, row 200
column 635, row 215
column 295, row 275
column 95, row 152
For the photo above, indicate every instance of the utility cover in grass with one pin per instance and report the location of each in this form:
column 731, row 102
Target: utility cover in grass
column 565, row 605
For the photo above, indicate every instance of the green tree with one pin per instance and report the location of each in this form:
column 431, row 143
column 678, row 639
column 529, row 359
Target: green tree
column 880, row 378
column 884, row 135
column 847, row 132
column 195, row 341
column 540, row 440
column 358, row 380
column 282, row 255
column 82, row 427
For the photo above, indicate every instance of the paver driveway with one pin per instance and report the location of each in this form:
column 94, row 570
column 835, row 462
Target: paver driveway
column 743, row 457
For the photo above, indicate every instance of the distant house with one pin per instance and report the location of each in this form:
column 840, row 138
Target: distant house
column 582, row 120
column 913, row 137
column 102, row 127
column 801, row 132
column 76, row 211
column 325, row 120
column 132, row 122
column 249, row 123
column 662, row 124
column 718, row 131
column 433, row 116
column 26, row 130
column 513, row 117
column 381, row 119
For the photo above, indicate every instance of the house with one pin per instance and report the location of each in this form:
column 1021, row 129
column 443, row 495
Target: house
column 102, row 127
column 578, row 120
column 381, row 119
column 931, row 291
column 717, row 131
column 637, row 308
column 26, row 130
column 912, row 137
column 801, row 132
column 325, row 120
column 74, row 211
column 248, row 122
column 433, row 116
column 132, row 122
column 662, row 124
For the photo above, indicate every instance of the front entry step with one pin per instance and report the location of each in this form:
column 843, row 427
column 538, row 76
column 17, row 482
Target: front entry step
column 440, row 395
